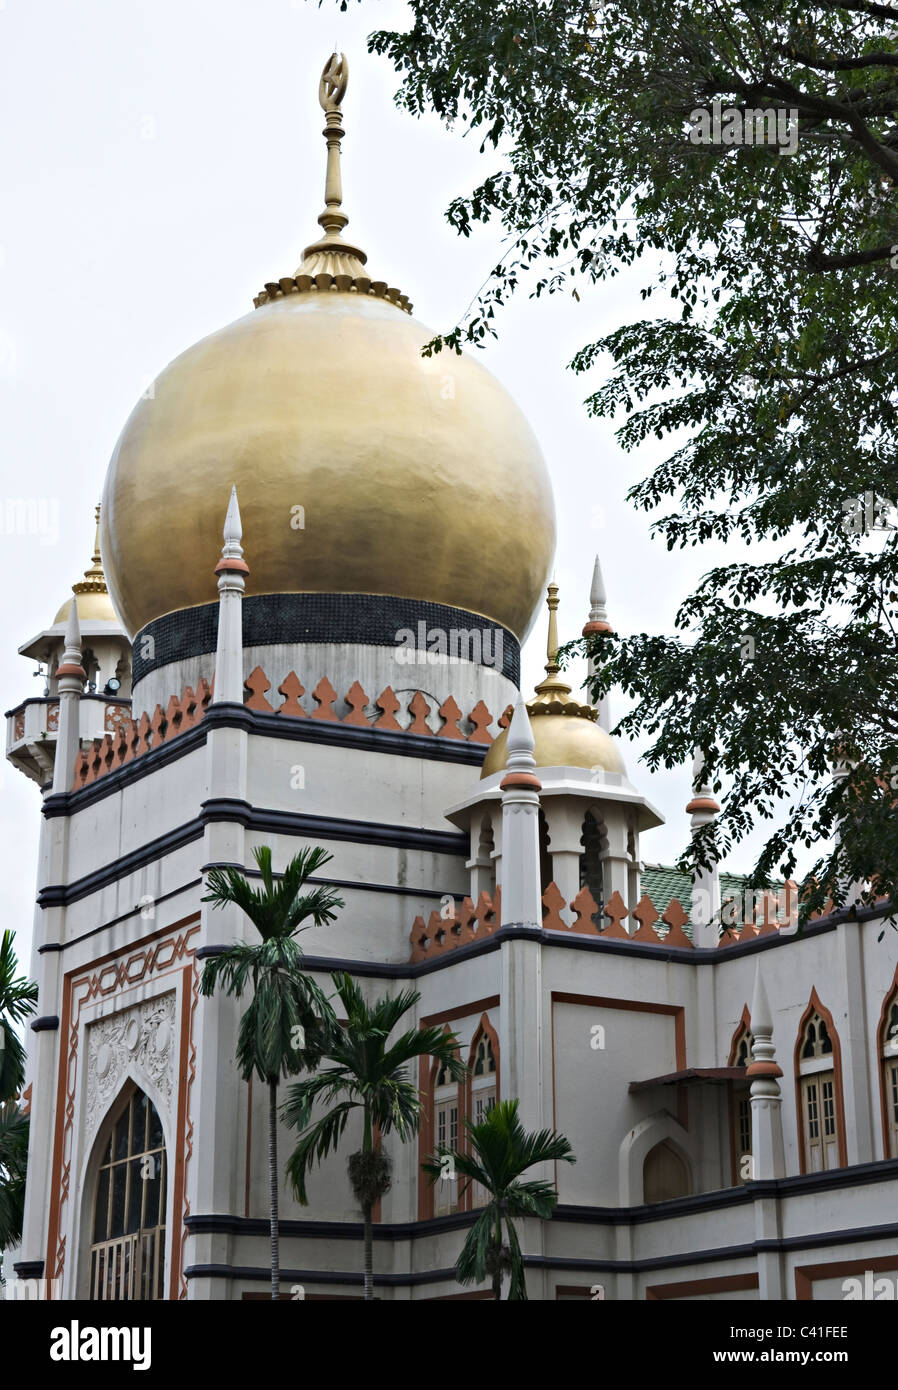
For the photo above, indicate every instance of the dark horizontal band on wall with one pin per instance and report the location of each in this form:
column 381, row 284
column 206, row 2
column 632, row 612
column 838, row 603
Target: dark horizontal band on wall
column 748, row 1250
column 259, row 819
column 860, row 1175
column 401, row 889
column 316, row 1276
column 115, row 921
column 49, row 1023
column 366, row 620
column 426, row 747
column 29, row 1269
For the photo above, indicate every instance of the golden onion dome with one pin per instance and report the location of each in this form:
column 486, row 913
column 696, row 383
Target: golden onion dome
column 91, row 593
column 361, row 466
column 565, row 732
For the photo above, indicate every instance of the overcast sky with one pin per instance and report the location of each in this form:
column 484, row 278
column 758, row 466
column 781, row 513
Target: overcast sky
column 159, row 162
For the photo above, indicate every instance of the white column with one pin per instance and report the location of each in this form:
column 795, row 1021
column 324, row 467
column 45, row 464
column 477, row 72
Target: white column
column 70, row 676
column 231, row 570
column 521, row 895
column 705, row 910
column 768, row 1152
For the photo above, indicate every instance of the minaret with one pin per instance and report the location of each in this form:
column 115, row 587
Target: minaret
column 231, row 570
column 521, row 1021
column 521, row 895
column 705, row 913
column 768, row 1158
column 598, row 622
column 71, row 676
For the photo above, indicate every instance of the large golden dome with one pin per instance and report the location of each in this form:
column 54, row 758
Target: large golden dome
column 361, row 466
column 417, row 477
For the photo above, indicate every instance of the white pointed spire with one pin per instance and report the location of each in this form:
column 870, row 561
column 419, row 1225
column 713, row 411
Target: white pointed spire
column 233, row 529
column 598, row 622
column 231, row 571
column 761, row 1016
column 71, row 654
column 520, row 741
column 598, row 611
column 520, row 787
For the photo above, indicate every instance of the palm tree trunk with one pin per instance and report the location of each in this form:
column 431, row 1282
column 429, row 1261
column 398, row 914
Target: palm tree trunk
column 369, row 1252
column 273, row 1186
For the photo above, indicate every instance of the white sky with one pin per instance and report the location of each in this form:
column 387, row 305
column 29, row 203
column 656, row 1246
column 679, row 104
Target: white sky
column 161, row 160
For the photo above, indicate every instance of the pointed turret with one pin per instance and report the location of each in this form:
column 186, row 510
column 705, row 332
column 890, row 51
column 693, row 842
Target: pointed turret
column 231, row 571
column 705, row 914
column 598, row 622
column 521, row 891
column 71, row 677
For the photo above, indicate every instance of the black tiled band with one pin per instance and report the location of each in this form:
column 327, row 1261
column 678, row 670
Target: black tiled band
column 366, row 619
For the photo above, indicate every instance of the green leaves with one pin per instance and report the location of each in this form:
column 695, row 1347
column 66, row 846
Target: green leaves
column 499, row 1150
column 772, row 367
column 286, row 1005
column 368, row 1074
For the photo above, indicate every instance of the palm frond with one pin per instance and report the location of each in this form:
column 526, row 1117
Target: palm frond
column 313, row 1146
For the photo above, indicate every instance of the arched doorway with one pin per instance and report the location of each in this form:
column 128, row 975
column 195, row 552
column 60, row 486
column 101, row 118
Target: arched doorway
column 127, row 1253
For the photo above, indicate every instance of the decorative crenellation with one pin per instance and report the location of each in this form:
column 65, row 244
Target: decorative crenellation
column 386, row 706
column 449, row 927
column 130, row 739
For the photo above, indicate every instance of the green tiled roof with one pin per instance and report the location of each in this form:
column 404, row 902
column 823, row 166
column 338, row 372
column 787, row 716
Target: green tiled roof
column 662, row 882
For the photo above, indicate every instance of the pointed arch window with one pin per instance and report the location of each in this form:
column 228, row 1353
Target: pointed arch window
column 483, row 1090
column 888, row 1041
column 127, row 1254
column 446, row 1129
column 822, row 1127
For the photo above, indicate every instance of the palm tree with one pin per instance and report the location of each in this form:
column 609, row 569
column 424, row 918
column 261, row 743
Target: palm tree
column 371, row 1076
column 500, row 1150
column 18, row 998
column 284, row 1029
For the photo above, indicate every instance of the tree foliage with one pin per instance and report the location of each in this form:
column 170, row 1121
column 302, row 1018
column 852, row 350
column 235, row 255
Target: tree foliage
column 770, row 366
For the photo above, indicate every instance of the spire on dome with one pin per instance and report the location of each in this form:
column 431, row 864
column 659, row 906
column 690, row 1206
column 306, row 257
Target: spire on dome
column 94, row 581
column 330, row 263
column 553, row 695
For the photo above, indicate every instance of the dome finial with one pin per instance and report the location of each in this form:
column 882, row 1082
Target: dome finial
column 320, row 256
column 94, row 581
column 331, row 263
column 553, row 694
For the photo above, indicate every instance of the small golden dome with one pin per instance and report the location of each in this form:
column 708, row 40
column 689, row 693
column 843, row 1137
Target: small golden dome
column 91, row 593
column 361, row 466
column 569, row 741
column 565, row 732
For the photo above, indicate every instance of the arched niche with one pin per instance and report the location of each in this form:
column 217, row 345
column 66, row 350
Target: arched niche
column 639, row 1142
